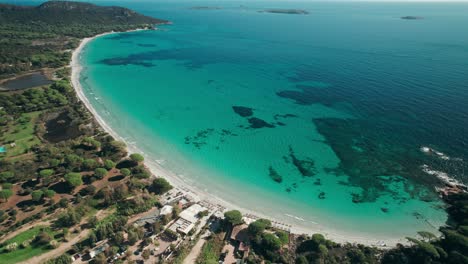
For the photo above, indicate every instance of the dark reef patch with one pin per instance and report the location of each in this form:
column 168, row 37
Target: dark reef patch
column 412, row 17
column 146, row 45
column 291, row 188
column 130, row 60
column 306, row 166
column 278, row 116
column 274, row 175
column 199, row 140
column 128, row 35
column 368, row 152
column 256, row 123
column 280, row 124
column 321, row 195
column 225, row 132
column 243, row 110
column 356, row 198
column 307, row 95
column 193, row 58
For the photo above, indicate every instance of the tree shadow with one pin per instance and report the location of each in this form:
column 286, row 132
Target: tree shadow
column 61, row 187
column 125, row 164
column 30, row 184
column 116, row 178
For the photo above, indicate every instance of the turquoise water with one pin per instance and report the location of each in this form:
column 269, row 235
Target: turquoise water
column 2, row 149
column 313, row 119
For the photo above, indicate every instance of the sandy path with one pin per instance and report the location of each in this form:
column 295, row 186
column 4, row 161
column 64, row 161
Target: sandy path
column 193, row 255
column 63, row 247
column 24, row 228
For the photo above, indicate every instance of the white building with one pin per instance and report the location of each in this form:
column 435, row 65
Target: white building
column 187, row 219
column 167, row 209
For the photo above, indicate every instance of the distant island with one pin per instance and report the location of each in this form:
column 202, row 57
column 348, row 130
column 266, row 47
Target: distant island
column 412, row 17
column 285, row 11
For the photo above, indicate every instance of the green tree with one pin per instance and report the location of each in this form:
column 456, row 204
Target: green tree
column 137, row 158
column 43, row 238
column 302, row 260
column 7, row 185
column 89, row 190
column 100, row 173
column 5, row 194
column 46, row 173
column 62, row 86
column 318, row 239
column 160, row 186
column 49, row 193
column 73, row 179
column 427, row 236
column 145, row 254
column 6, row 176
column 89, row 164
column 125, row 172
column 63, row 259
column 37, row 195
column 233, row 217
column 322, row 250
column 91, row 143
column 109, row 164
column 73, row 161
column 258, row 226
column 270, row 242
column 99, row 259
column 283, row 236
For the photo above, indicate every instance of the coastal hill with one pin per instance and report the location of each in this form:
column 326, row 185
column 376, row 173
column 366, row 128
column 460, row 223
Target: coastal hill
column 66, row 13
column 36, row 37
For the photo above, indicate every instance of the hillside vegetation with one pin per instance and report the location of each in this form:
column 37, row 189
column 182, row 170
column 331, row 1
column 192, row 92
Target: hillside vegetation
column 43, row 36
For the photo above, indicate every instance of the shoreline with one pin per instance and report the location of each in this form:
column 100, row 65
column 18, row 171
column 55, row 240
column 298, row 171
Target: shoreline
column 200, row 195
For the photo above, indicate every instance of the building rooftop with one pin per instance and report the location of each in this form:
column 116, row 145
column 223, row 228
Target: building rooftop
column 149, row 218
column 187, row 219
column 182, row 226
column 167, row 209
column 190, row 214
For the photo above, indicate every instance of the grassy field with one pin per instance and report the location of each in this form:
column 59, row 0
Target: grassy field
column 21, row 132
column 22, row 254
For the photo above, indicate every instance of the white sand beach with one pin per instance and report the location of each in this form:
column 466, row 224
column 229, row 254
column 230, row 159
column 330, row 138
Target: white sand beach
column 181, row 183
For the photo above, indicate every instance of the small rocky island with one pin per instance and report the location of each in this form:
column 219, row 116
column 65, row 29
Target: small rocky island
column 285, row 11
column 412, row 17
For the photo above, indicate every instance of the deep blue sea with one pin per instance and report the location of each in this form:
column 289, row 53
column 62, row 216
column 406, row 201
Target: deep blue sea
column 316, row 119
